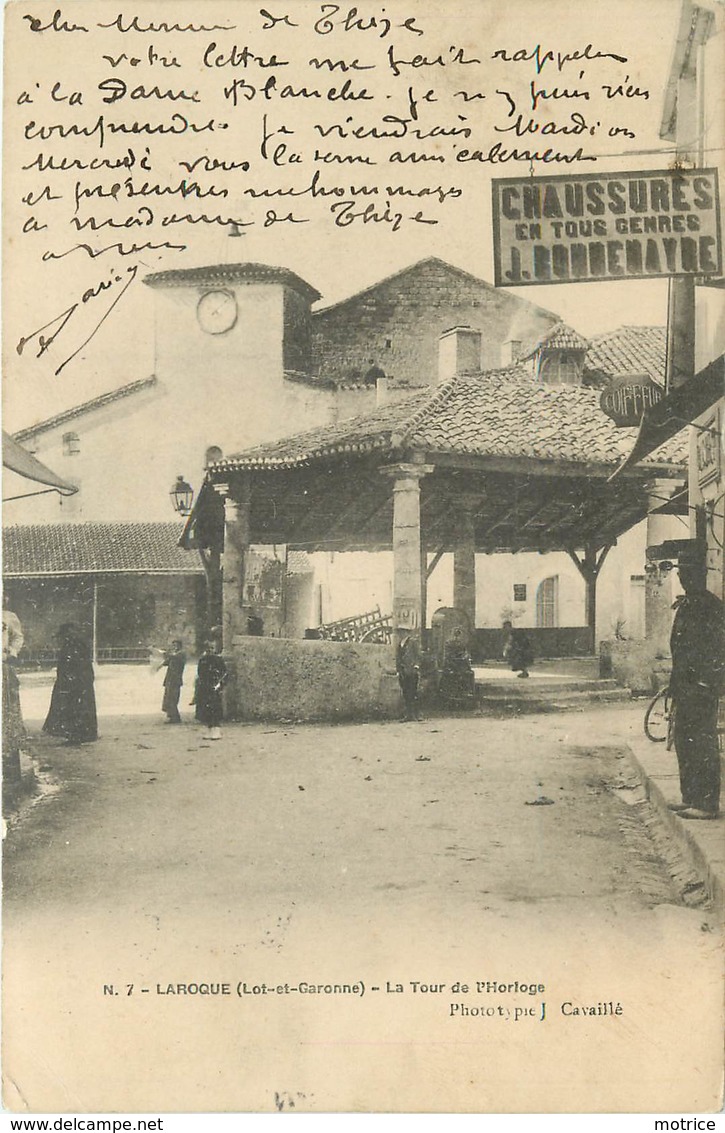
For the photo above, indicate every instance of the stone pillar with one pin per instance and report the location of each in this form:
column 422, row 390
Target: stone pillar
column 658, row 587
column 236, row 542
column 464, row 561
column 407, row 580
column 423, row 583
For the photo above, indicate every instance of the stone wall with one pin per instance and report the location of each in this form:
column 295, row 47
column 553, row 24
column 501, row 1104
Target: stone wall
column 133, row 613
column 282, row 679
column 398, row 323
column 44, row 604
column 636, row 665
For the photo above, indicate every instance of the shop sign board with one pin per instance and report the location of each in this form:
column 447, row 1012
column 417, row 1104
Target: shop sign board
column 708, row 450
column 610, row 226
column 628, row 396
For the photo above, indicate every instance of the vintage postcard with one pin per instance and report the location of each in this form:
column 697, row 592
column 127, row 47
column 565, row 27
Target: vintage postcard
column 362, row 410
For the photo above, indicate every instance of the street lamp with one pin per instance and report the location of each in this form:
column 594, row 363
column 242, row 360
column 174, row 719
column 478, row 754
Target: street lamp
column 182, row 496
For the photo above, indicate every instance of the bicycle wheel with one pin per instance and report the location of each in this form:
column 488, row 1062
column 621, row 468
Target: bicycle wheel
column 656, row 718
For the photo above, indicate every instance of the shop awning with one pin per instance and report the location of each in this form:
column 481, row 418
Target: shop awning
column 677, row 410
column 17, row 459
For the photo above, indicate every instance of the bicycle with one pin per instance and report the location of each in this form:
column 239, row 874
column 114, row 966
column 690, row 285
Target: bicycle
column 658, row 717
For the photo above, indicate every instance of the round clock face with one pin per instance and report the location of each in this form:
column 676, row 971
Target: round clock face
column 217, row 311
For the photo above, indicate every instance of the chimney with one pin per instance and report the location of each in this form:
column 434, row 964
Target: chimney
column 459, row 352
column 382, row 396
column 511, row 352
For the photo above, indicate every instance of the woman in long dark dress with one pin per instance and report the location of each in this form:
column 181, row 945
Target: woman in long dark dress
column 13, row 729
column 72, row 713
column 211, row 676
column 517, row 649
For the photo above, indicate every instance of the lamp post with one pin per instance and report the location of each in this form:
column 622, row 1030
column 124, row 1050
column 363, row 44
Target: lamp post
column 182, row 496
column 182, row 499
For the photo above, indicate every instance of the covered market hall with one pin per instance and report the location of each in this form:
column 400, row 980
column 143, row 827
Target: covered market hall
column 483, row 463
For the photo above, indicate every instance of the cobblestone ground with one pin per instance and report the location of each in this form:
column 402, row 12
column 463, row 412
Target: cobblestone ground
column 445, row 852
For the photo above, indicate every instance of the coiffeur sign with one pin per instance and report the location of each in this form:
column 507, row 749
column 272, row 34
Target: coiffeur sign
column 628, row 397
column 612, row 226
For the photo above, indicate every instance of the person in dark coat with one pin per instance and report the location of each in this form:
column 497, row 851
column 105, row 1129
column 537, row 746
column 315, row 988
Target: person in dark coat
column 13, row 729
column 517, row 649
column 373, row 374
column 174, row 662
column 211, row 676
column 72, row 713
column 698, row 669
column 458, row 680
column 407, row 663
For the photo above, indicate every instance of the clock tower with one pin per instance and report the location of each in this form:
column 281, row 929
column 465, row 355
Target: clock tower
column 228, row 339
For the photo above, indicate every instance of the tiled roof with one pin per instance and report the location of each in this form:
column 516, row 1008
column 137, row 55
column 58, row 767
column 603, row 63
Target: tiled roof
column 628, row 350
column 501, row 413
column 356, row 434
column 562, row 337
column 59, row 549
column 231, row 273
column 484, row 416
column 84, row 407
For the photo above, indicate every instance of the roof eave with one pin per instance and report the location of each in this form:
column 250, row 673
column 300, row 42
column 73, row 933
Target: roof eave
column 180, row 572
column 85, row 407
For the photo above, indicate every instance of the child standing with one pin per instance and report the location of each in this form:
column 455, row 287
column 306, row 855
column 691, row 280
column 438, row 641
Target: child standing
column 174, row 661
column 211, row 676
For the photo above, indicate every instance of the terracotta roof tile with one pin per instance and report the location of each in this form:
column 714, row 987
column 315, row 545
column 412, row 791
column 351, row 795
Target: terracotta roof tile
column 522, row 419
column 562, row 337
column 355, row 434
column 59, row 549
column 628, row 350
column 500, row 413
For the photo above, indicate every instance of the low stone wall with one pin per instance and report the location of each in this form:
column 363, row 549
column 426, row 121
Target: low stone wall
column 274, row 678
column 557, row 641
column 637, row 665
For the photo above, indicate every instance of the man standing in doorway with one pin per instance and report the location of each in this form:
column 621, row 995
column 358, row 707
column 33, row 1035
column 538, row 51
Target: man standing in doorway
column 698, row 668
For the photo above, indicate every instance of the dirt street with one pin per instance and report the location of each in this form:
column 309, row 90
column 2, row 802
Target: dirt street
column 452, row 852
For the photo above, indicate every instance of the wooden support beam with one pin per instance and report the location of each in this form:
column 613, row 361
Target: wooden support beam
column 211, row 562
column 436, row 559
column 356, row 501
column 589, row 568
column 536, row 468
column 423, row 586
